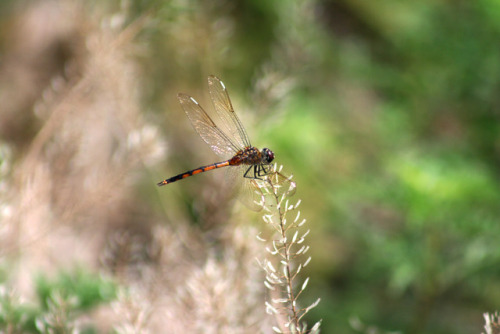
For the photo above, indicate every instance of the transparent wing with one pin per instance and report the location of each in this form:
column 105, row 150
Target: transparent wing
column 218, row 141
column 248, row 190
column 281, row 184
column 253, row 193
column 229, row 120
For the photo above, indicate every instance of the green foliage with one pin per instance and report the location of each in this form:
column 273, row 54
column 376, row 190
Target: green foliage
column 15, row 316
column 60, row 301
column 410, row 174
column 88, row 289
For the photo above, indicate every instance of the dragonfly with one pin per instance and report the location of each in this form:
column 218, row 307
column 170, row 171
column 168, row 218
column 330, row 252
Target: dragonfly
column 230, row 141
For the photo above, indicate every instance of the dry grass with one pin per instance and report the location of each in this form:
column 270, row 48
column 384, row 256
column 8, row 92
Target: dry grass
column 76, row 146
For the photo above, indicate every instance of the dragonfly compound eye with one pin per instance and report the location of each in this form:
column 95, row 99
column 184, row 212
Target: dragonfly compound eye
column 268, row 155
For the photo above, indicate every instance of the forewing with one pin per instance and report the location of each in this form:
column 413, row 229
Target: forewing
column 230, row 122
column 218, row 141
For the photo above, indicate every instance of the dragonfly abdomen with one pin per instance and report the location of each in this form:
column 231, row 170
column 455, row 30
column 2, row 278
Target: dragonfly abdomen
column 194, row 172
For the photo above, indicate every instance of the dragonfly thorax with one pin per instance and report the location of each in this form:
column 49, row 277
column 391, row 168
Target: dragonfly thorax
column 252, row 156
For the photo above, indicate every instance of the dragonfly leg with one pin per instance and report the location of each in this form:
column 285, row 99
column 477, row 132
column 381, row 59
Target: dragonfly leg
column 246, row 173
column 266, row 169
column 253, row 172
column 257, row 172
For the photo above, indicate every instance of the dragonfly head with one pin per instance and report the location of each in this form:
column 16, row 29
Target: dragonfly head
column 267, row 155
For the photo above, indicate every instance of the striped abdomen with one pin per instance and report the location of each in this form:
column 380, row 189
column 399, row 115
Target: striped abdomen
column 194, row 172
column 247, row 156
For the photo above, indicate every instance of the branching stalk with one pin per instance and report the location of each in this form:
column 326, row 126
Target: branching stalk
column 287, row 249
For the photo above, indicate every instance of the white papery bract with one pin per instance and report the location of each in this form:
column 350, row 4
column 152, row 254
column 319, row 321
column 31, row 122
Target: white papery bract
column 287, row 247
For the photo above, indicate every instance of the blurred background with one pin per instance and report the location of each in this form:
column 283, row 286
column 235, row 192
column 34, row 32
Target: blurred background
column 386, row 112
